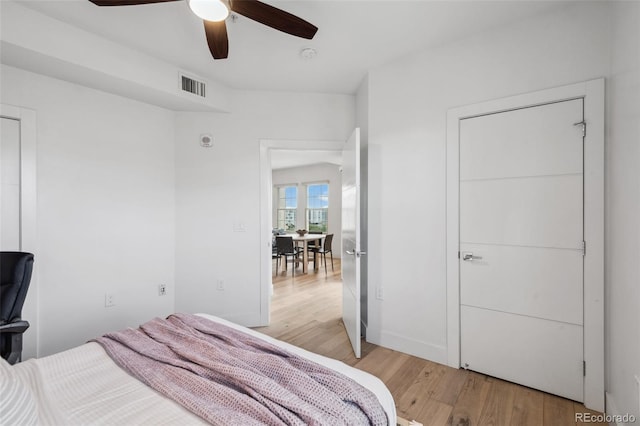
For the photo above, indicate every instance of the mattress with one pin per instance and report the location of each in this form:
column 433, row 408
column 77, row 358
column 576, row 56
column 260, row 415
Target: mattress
column 84, row 386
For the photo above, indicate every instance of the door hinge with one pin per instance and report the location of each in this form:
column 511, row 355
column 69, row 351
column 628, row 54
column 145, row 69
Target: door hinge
column 584, row 247
column 584, row 368
column 458, row 255
column 584, row 127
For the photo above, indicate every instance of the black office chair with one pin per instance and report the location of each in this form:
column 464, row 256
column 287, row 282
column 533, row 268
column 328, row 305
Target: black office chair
column 286, row 248
column 326, row 248
column 15, row 276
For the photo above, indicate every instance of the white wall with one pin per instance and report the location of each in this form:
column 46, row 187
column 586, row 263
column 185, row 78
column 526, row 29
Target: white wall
column 300, row 176
column 218, row 188
column 105, row 214
column 409, row 100
column 622, row 270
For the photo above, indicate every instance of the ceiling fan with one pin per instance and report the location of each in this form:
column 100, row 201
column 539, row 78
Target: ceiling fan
column 214, row 12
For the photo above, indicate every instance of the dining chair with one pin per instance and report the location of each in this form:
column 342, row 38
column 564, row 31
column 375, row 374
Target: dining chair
column 274, row 253
column 311, row 244
column 286, row 248
column 326, row 248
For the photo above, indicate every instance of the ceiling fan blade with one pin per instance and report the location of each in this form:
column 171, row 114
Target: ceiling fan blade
column 126, row 2
column 274, row 18
column 217, row 39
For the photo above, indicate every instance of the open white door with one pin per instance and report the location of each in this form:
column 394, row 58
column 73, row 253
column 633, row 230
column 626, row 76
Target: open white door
column 351, row 239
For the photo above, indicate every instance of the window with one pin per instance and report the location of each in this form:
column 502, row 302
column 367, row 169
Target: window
column 317, row 207
column 287, row 207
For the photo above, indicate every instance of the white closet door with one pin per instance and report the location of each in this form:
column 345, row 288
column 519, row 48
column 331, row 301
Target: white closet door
column 521, row 258
column 10, row 184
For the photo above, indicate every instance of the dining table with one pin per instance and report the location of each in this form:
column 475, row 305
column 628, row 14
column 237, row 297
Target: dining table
column 304, row 239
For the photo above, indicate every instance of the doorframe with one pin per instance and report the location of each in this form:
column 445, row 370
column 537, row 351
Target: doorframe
column 592, row 92
column 28, row 236
column 266, row 209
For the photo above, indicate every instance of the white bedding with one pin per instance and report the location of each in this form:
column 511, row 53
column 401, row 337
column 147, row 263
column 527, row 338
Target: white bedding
column 84, row 386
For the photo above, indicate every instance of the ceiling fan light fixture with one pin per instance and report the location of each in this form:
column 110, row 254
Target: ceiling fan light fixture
column 209, row 10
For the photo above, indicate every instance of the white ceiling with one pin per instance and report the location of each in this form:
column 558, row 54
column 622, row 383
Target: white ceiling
column 354, row 36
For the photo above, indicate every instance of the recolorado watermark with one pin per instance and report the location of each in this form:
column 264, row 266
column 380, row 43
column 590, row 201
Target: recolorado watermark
column 602, row 418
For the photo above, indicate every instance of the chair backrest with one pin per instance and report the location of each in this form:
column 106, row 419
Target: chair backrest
column 327, row 242
column 284, row 244
column 15, row 276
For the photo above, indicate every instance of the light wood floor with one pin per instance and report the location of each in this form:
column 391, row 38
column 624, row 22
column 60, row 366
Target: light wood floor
column 306, row 312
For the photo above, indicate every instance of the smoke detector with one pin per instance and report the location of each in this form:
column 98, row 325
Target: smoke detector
column 308, row 53
column 206, row 140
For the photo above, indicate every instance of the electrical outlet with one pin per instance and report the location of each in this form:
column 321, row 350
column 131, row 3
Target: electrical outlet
column 162, row 290
column 109, row 300
column 220, row 285
column 379, row 294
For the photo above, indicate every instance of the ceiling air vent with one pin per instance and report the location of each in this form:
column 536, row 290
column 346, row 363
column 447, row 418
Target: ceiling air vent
column 193, row 86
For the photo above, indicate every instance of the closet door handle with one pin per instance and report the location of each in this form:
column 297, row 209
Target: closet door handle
column 469, row 257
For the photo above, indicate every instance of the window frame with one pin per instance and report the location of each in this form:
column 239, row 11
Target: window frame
column 324, row 227
column 282, row 224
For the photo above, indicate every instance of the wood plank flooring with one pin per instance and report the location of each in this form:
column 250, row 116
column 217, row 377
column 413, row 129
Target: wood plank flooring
column 306, row 311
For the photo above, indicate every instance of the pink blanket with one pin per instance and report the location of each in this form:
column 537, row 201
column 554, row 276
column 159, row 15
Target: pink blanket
column 230, row 378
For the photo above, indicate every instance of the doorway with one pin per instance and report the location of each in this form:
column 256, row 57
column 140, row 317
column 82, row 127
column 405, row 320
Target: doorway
column 294, row 149
column 350, row 230
column 591, row 93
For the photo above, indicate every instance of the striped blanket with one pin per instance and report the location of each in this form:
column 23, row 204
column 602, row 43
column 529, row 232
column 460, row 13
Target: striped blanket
column 230, row 378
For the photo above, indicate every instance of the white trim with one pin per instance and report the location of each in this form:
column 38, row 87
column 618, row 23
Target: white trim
column 593, row 93
column 266, row 225
column 408, row 345
column 594, row 236
column 28, row 205
column 316, row 182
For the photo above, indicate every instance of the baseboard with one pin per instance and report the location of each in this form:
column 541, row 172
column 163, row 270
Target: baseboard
column 431, row 352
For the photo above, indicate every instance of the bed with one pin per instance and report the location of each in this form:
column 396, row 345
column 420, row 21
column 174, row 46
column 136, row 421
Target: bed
column 84, row 385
